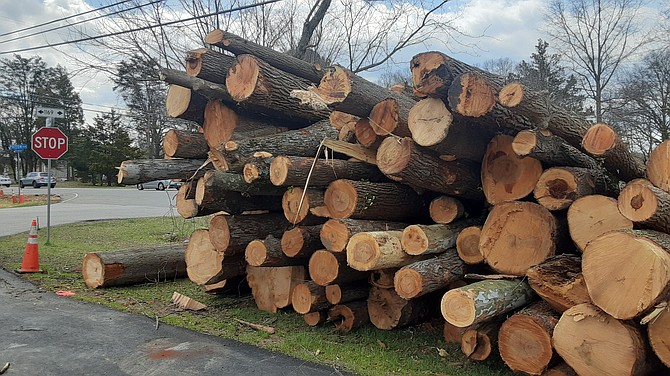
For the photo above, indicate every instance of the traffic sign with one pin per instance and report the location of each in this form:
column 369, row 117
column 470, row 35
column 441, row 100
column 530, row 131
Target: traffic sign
column 49, row 143
column 49, row 112
column 18, row 147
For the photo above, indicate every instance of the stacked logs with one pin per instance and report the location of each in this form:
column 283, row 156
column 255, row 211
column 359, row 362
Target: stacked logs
column 476, row 200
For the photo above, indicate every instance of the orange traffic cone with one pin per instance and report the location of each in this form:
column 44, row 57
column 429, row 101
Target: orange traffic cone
column 31, row 257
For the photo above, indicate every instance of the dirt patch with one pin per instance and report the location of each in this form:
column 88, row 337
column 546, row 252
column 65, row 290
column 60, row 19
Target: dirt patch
column 9, row 200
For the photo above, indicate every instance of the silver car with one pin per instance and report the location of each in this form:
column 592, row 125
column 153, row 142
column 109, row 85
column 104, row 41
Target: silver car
column 37, row 179
column 5, row 180
column 159, row 185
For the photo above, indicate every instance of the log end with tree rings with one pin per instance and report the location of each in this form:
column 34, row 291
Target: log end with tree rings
column 94, row 271
column 445, row 209
column 407, row 283
column 323, row 267
column 364, row 132
column 393, row 155
column 220, row 234
column 335, row 235
column 244, row 78
column 296, row 208
column 170, row 142
column 414, row 240
column 471, row 95
column 556, row 189
column 422, row 65
column 658, row 166
column 467, row 245
column 292, row 241
column 586, row 338
column 255, row 253
column 334, row 294
column 637, row 201
column 219, row 124
column 194, row 61
column 599, row 139
column 301, row 298
column 335, row 85
column 524, row 142
column 384, row 117
column 362, row 251
column 626, row 271
column 341, row 198
column 250, row 172
column 458, row 308
column 341, row 120
column 429, row 121
column 201, row 187
column 279, row 169
column 659, row 332
column 505, row 176
column 593, row 215
column 518, row 235
column 202, row 260
column 216, row 36
column 511, row 94
column 177, row 101
column 315, row 318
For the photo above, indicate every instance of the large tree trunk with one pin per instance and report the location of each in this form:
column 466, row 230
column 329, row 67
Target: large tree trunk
column 518, row 235
column 406, row 162
column 389, row 311
column 378, row 250
column 309, row 297
column 659, row 332
column 295, row 171
column 601, row 141
column 301, row 241
column 238, row 46
column 586, row 338
column 559, row 281
column 644, row 204
column 429, row 275
column 230, row 235
column 467, row 245
column 180, row 144
column 480, row 301
column 524, row 339
column 204, row 265
column 591, row 216
column 632, row 259
column 559, row 187
column 272, row 287
column 551, row 149
column 184, row 103
column 349, row 316
column 327, row 268
column 144, row 170
column 133, row 266
column 335, row 233
column 208, row 65
column 658, row 166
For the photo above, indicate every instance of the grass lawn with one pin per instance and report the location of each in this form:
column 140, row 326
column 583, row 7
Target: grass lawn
column 417, row 350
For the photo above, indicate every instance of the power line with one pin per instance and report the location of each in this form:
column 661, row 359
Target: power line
column 65, row 18
column 79, row 22
column 140, row 28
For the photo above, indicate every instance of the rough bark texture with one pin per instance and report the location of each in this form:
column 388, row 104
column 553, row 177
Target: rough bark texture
column 389, row 311
column 349, row 316
column 644, row 204
column 206, row 89
column 208, row 65
column 272, row 287
column 184, row 103
column 591, row 216
column 181, row 144
column 213, row 183
column 551, row 149
column 144, row 170
column 559, row 187
column 467, row 245
column 658, row 166
column 339, row 294
column 326, row 267
column 601, row 141
column 378, row 250
column 335, row 233
column 430, row 275
column 230, row 234
column 309, row 297
column 133, row 266
column 432, row 239
column 294, row 171
column 559, row 281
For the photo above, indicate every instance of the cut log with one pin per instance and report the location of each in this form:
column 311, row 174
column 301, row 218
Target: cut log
column 479, row 342
column 433, row 239
column 560, row 369
column 505, row 176
column 350, row 316
column 404, row 161
column 217, row 288
column 335, row 233
column 213, row 182
column 365, row 134
column 208, row 64
column 659, row 332
column 626, row 271
column 483, row 300
column 205, row 266
column 364, row 200
column 591, row 216
column 524, row 340
column 184, row 103
column 602, row 141
column 236, row 202
column 267, row 252
column 302, row 207
column 237, row 45
column 470, row 94
column 341, row 120
column 559, row 187
column 340, row 294
column 383, row 278
column 133, row 266
column 518, row 235
column 144, row 170
column 220, row 123
column 586, row 338
column 230, row 234
column 434, row 72
column 185, row 202
column 646, row 205
column 429, row 121
column 316, row 318
column 658, row 166
column 309, row 297
column 429, row 275
column 551, row 149
column 301, row 241
column 452, row 333
column 295, row 171
column 180, row 144
column 358, row 152
column 467, row 245
column 206, row 89
column 389, row 311
column 389, row 117
column 341, row 90
column 559, row 281
column 445, row 209
column 252, row 80
column 326, row 268
column 378, row 250
column 272, row 287
column 257, row 171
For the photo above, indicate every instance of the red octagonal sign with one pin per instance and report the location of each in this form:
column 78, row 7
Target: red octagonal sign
column 49, row 143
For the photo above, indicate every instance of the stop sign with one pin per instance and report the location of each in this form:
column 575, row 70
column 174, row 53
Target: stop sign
column 49, row 143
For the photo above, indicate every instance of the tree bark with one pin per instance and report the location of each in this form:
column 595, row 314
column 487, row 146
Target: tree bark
column 586, row 338
column 389, row 117
column 316, row 318
column 273, row 287
column 505, row 176
column 429, row 275
column 309, row 297
column 184, row 103
column 301, row 241
column 601, row 141
column 206, row 89
column 204, row 265
column 445, row 209
column 267, row 252
column 257, row 171
column 238, row 46
column 433, row 239
column 340, row 294
column 631, row 259
column 349, row 316
column 295, row 171
column 483, row 300
column 364, row 200
column 646, row 205
column 389, row 311
column 658, row 166
column 358, row 152
column 659, row 332
column 559, row 187
column 180, row 144
column 378, row 250
column 467, row 245
column 518, row 235
column 335, row 233
column 524, row 340
column 143, row 170
column 133, row 266
column 406, row 162
column 327, row 268
column 230, row 234
column 213, row 183
column 591, row 216
column 559, row 282
column 208, row 65
column 551, row 149
column 452, row 333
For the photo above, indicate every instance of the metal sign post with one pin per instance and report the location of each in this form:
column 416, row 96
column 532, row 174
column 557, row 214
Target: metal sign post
column 18, row 148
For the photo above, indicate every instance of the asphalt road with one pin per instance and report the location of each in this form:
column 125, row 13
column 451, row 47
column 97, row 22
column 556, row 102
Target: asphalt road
column 42, row 333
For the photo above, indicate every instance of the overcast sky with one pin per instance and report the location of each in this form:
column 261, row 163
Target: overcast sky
column 507, row 29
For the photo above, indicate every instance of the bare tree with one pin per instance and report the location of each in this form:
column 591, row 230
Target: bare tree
column 597, row 37
column 503, row 66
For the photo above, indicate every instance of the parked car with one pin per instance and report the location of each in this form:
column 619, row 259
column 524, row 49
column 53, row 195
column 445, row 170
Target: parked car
column 5, row 180
column 159, row 185
column 37, row 179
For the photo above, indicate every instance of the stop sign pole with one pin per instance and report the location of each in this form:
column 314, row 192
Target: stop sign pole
column 49, row 143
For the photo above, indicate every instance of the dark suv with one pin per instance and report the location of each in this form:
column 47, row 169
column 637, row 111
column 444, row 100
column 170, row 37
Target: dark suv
column 37, row 179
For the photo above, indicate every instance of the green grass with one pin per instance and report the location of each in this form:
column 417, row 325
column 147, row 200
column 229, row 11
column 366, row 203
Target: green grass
column 366, row 351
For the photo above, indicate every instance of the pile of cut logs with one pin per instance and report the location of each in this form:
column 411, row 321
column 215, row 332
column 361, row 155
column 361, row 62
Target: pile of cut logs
column 531, row 230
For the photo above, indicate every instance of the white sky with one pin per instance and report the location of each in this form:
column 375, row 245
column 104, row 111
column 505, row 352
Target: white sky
column 511, row 29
